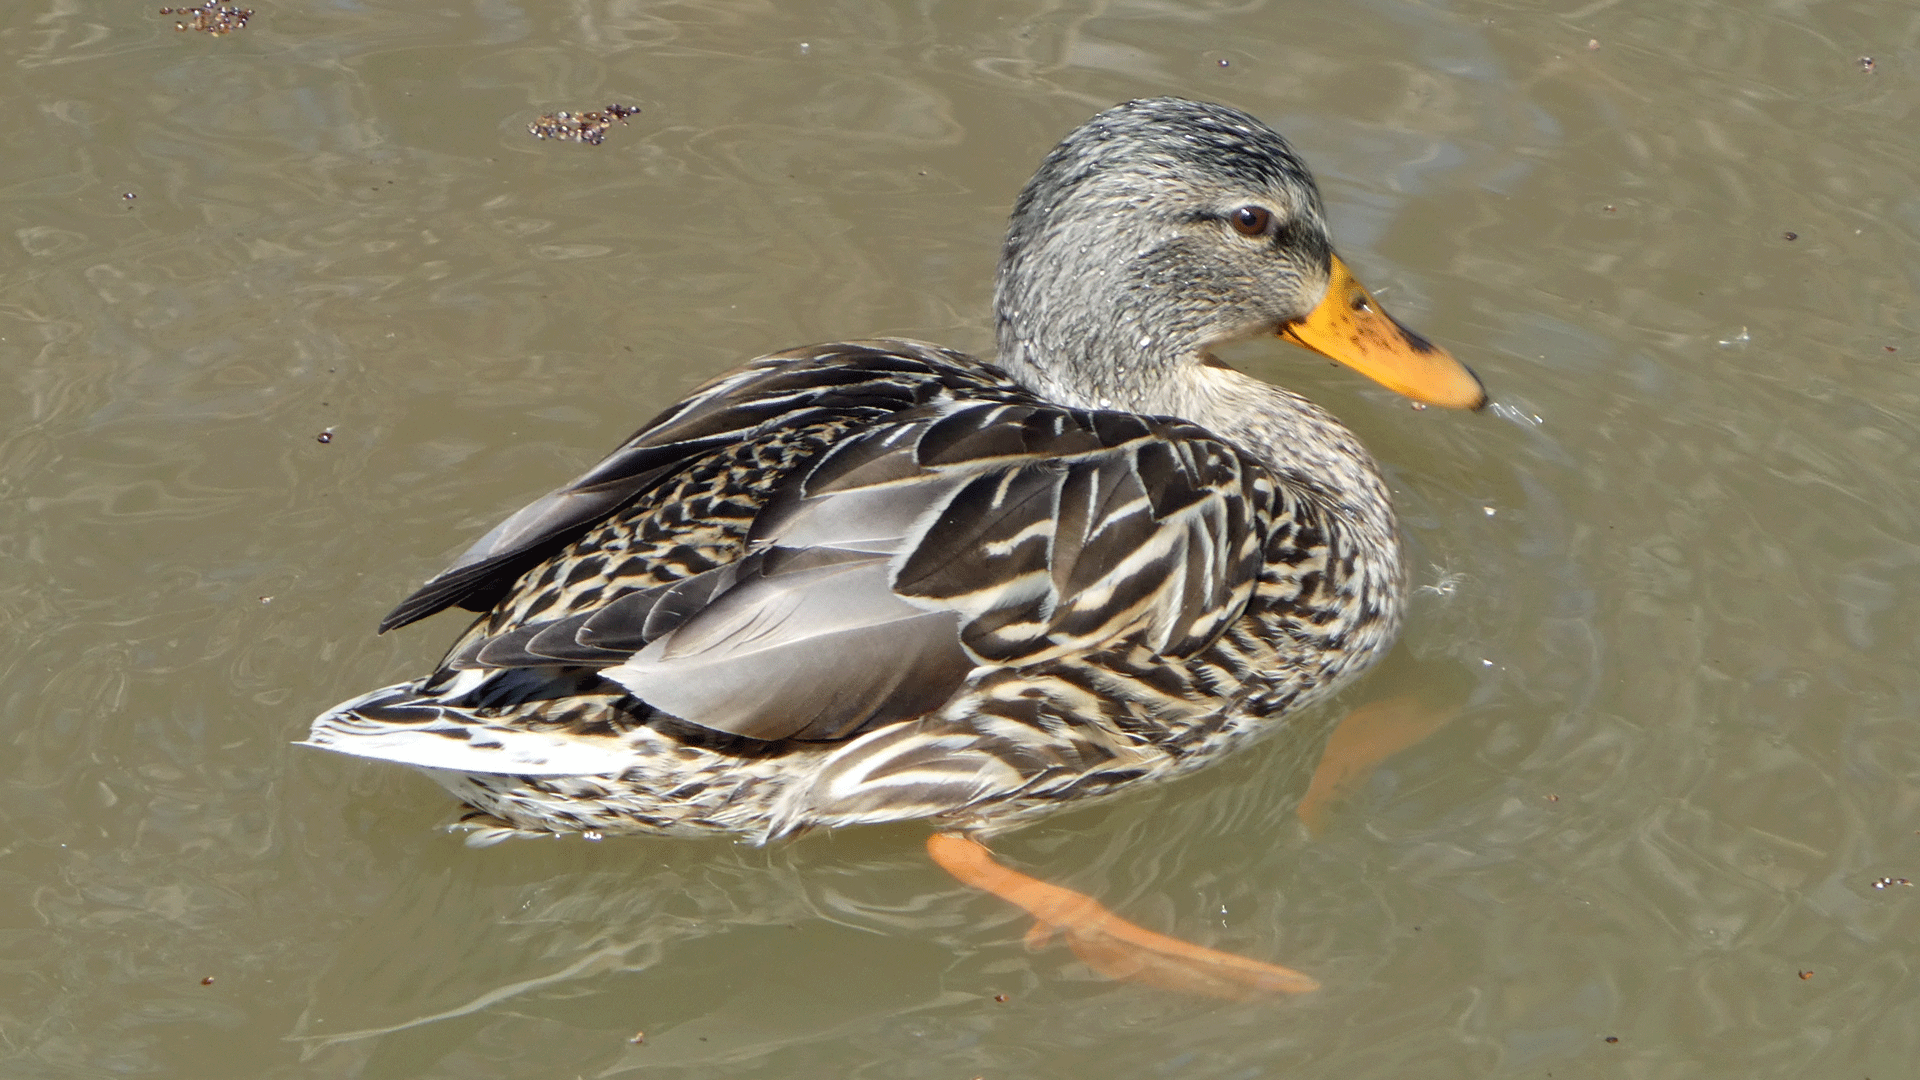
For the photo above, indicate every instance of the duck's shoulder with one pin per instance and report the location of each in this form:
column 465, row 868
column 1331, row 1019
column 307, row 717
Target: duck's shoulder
column 869, row 365
column 763, row 400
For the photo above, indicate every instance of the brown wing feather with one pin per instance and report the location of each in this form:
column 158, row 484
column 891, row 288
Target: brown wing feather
column 946, row 535
column 781, row 390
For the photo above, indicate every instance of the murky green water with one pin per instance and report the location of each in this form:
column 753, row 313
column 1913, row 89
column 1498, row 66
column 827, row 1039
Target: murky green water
column 1670, row 584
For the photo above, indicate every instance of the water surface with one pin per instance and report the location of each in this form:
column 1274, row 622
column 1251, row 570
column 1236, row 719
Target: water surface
column 1667, row 585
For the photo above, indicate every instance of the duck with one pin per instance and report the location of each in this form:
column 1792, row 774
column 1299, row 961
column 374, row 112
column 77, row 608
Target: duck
column 882, row 580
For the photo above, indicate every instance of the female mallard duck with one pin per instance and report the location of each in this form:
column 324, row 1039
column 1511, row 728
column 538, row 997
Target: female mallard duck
column 879, row 580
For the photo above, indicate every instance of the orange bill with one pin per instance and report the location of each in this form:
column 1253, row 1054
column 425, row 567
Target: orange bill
column 1351, row 327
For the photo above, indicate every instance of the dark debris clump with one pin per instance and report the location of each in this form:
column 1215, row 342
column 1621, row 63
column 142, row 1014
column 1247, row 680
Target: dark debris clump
column 210, row 18
column 587, row 127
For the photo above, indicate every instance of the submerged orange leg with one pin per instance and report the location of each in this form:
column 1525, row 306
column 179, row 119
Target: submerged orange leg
column 1109, row 944
column 1366, row 737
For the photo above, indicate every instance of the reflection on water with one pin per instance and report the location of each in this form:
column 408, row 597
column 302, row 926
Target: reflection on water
column 1666, row 583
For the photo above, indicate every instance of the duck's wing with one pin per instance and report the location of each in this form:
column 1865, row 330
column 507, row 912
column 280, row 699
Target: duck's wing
column 1047, row 530
column 951, row 537
column 873, row 378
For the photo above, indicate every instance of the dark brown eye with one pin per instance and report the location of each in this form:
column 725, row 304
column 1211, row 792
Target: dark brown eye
column 1251, row 220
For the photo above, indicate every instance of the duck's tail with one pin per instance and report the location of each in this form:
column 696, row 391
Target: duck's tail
column 399, row 723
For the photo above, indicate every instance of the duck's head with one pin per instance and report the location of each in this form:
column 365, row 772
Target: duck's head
column 1163, row 228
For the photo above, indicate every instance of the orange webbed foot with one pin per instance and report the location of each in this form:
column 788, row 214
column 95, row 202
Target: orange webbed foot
column 1366, row 737
column 1107, row 943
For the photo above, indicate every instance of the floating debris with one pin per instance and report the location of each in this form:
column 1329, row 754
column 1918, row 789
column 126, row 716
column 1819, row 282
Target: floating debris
column 1886, row 881
column 587, row 127
column 210, row 18
column 1791, row 235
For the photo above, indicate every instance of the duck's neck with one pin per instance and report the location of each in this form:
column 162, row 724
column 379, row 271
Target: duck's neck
column 1323, row 467
column 1300, row 442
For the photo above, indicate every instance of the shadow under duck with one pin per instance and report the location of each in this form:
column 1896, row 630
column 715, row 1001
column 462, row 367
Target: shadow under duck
column 878, row 580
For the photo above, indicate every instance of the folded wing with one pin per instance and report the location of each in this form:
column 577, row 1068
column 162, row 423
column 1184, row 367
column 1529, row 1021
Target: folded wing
column 947, row 537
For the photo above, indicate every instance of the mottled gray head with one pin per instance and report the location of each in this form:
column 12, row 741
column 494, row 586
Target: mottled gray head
column 1154, row 232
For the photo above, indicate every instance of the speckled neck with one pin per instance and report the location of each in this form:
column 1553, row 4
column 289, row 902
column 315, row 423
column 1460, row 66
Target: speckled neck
column 1306, row 448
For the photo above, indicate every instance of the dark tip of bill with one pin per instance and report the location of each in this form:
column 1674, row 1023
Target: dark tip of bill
column 1484, row 399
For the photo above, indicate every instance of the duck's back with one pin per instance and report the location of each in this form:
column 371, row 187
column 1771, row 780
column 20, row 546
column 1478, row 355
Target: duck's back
column 770, row 406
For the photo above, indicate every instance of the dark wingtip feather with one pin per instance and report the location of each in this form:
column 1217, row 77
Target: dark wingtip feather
column 476, row 588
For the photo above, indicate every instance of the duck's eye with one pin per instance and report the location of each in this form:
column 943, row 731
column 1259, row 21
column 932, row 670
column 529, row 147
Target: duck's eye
column 1251, row 220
